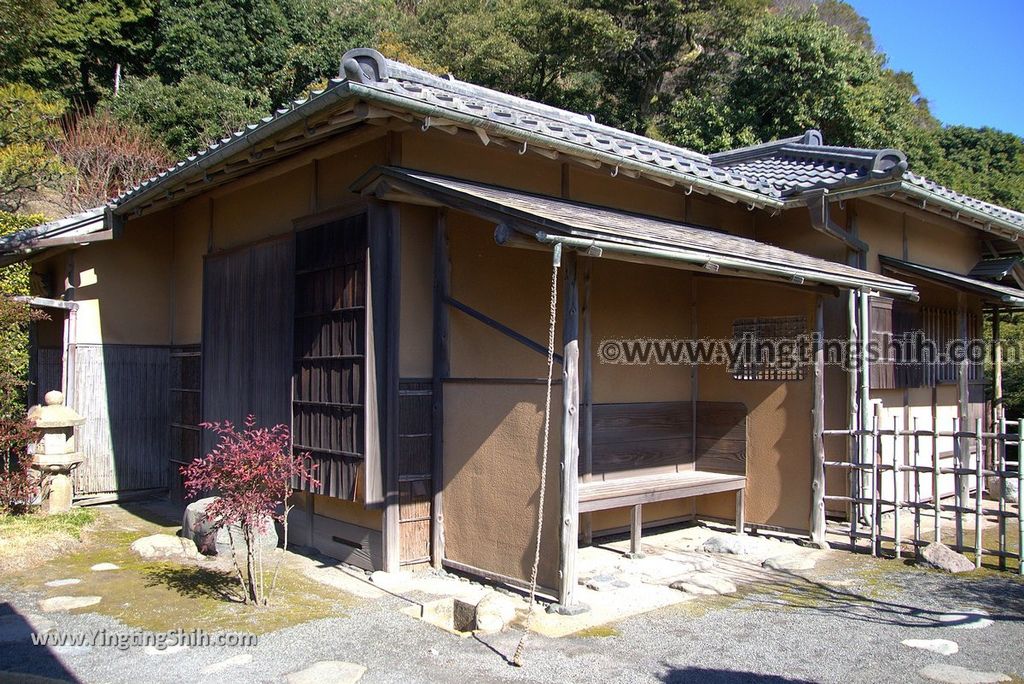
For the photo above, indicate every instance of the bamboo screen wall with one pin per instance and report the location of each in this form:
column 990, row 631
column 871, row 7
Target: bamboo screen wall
column 328, row 411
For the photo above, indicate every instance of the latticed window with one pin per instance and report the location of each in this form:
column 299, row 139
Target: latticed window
column 768, row 348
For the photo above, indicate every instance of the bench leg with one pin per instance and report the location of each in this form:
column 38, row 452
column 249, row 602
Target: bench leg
column 740, row 522
column 636, row 520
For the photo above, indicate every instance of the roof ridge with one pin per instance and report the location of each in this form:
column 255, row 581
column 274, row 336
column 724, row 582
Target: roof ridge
column 765, row 149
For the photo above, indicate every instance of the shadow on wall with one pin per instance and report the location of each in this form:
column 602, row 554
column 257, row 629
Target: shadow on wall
column 20, row 658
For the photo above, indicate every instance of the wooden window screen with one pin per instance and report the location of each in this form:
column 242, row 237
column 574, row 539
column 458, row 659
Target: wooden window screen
column 328, row 395
column 186, row 393
column 755, row 363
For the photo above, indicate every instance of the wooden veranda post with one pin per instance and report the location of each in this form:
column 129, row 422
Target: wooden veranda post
column 817, row 525
column 568, row 531
column 440, row 373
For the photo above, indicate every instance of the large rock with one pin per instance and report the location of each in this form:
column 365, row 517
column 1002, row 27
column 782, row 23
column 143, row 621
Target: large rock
column 939, row 556
column 954, row 674
column 333, row 671
column 213, row 539
column 1011, row 491
column 737, row 544
column 494, row 612
column 165, row 547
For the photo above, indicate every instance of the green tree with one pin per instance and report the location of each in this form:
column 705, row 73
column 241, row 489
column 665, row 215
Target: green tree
column 186, row 116
column 14, row 319
column 73, row 47
column 982, row 162
column 28, row 128
column 796, row 72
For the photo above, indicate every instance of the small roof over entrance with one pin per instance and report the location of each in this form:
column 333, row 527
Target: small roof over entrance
column 991, row 293
column 621, row 234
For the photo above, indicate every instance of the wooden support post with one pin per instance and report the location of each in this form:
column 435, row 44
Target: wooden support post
column 570, row 504
column 741, row 520
column 917, row 489
column 963, row 460
column 977, row 493
column 382, row 359
column 636, row 526
column 441, row 371
column 936, row 463
column 896, row 503
column 587, row 389
column 876, row 452
column 854, row 475
column 999, row 418
column 817, row 523
column 1020, row 508
column 868, row 444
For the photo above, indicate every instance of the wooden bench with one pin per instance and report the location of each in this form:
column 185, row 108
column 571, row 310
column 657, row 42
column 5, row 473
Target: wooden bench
column 648, row 452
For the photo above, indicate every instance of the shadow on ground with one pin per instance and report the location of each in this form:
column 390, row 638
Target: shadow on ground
column 19, row 656
column 686, row 675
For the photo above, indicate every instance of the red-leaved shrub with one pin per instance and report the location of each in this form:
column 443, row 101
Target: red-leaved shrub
column 18, row 484
column 252, row 471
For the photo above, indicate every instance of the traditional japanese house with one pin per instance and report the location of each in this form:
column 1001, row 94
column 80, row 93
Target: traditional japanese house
column 374, row 266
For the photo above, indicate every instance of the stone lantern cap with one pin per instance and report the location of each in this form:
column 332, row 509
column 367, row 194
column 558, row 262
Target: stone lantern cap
column 54, row 414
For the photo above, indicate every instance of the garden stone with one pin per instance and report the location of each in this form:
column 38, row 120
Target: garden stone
column 732, row 543
column 215, row 540
column 940, row 646
column 333, row 671
column 605, row 583
column 789, row 563
column 939, row 556
column 966, row 619
column 104, row 567
column 704, row 584
column 63, row 582
column 494, row 612
column 953, row 674
column 227, row 663
column 56, row 603
column 1011, row 492
column 165, row 547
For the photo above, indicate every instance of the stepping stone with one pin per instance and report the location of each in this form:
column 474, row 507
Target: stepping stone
column 103, row 567
column 953, row 674
column 227, row 663
column 63, row 582
column 333, row 671
column 56, row 603
column 940, row 646
column 969, row 618
column 704, row 584
column 605, row 583
column 177, row 648
column 789, row 563
column 739, row 545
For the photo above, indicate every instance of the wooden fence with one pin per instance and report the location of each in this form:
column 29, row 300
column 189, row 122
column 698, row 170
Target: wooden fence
column 903, row 472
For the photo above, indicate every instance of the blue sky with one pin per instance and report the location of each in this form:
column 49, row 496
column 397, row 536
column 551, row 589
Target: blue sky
column 966, row 57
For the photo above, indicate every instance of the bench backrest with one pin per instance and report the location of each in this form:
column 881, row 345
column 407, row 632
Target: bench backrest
column 660, row 436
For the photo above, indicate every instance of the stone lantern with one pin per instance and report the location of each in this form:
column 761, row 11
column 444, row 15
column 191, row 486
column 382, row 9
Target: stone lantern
column 54, row 454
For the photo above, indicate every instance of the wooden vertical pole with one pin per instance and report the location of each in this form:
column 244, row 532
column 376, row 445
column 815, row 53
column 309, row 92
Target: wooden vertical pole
column 442, row 286
column 570, row 505
column 868, row 444
column 876, row 452
column 999, row 417
column 963, row 459
column 917, row 489
column 1020, row 508
column 636, row 527
column 817, row 523
column 977, row 493
column 1001, row 479
column 854, row 451
column 587, row 389
column 896, row 503
column 936, row 463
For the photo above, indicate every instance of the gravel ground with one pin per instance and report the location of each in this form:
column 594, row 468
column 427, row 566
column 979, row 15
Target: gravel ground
column 846, row 625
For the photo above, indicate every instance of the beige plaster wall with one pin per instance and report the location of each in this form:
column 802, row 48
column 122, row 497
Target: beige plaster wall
column 123, row 286
column 416, row 326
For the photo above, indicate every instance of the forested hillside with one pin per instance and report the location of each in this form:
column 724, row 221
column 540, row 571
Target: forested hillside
column 96, row 93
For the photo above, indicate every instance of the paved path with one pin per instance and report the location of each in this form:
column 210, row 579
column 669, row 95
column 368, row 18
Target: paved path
column 845, row 626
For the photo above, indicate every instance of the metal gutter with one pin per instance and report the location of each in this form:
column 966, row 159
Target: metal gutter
column 387, row 98
column 959, row 208
column 792, row 274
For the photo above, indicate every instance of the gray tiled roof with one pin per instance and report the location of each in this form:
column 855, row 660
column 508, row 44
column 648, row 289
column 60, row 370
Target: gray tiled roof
column 1012, row 296
column 693, row 243
column 771, row 175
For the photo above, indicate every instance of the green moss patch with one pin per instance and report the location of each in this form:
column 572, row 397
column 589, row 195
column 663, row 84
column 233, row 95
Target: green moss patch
column 598, row 631
column 162, row 596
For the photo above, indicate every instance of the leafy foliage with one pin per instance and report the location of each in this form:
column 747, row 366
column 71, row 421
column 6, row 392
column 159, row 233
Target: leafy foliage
column 28, row 127
column 14, row 321
column 253, row 471
column 18, row 484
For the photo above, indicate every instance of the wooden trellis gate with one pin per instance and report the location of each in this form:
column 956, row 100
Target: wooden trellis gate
column 897, row 472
